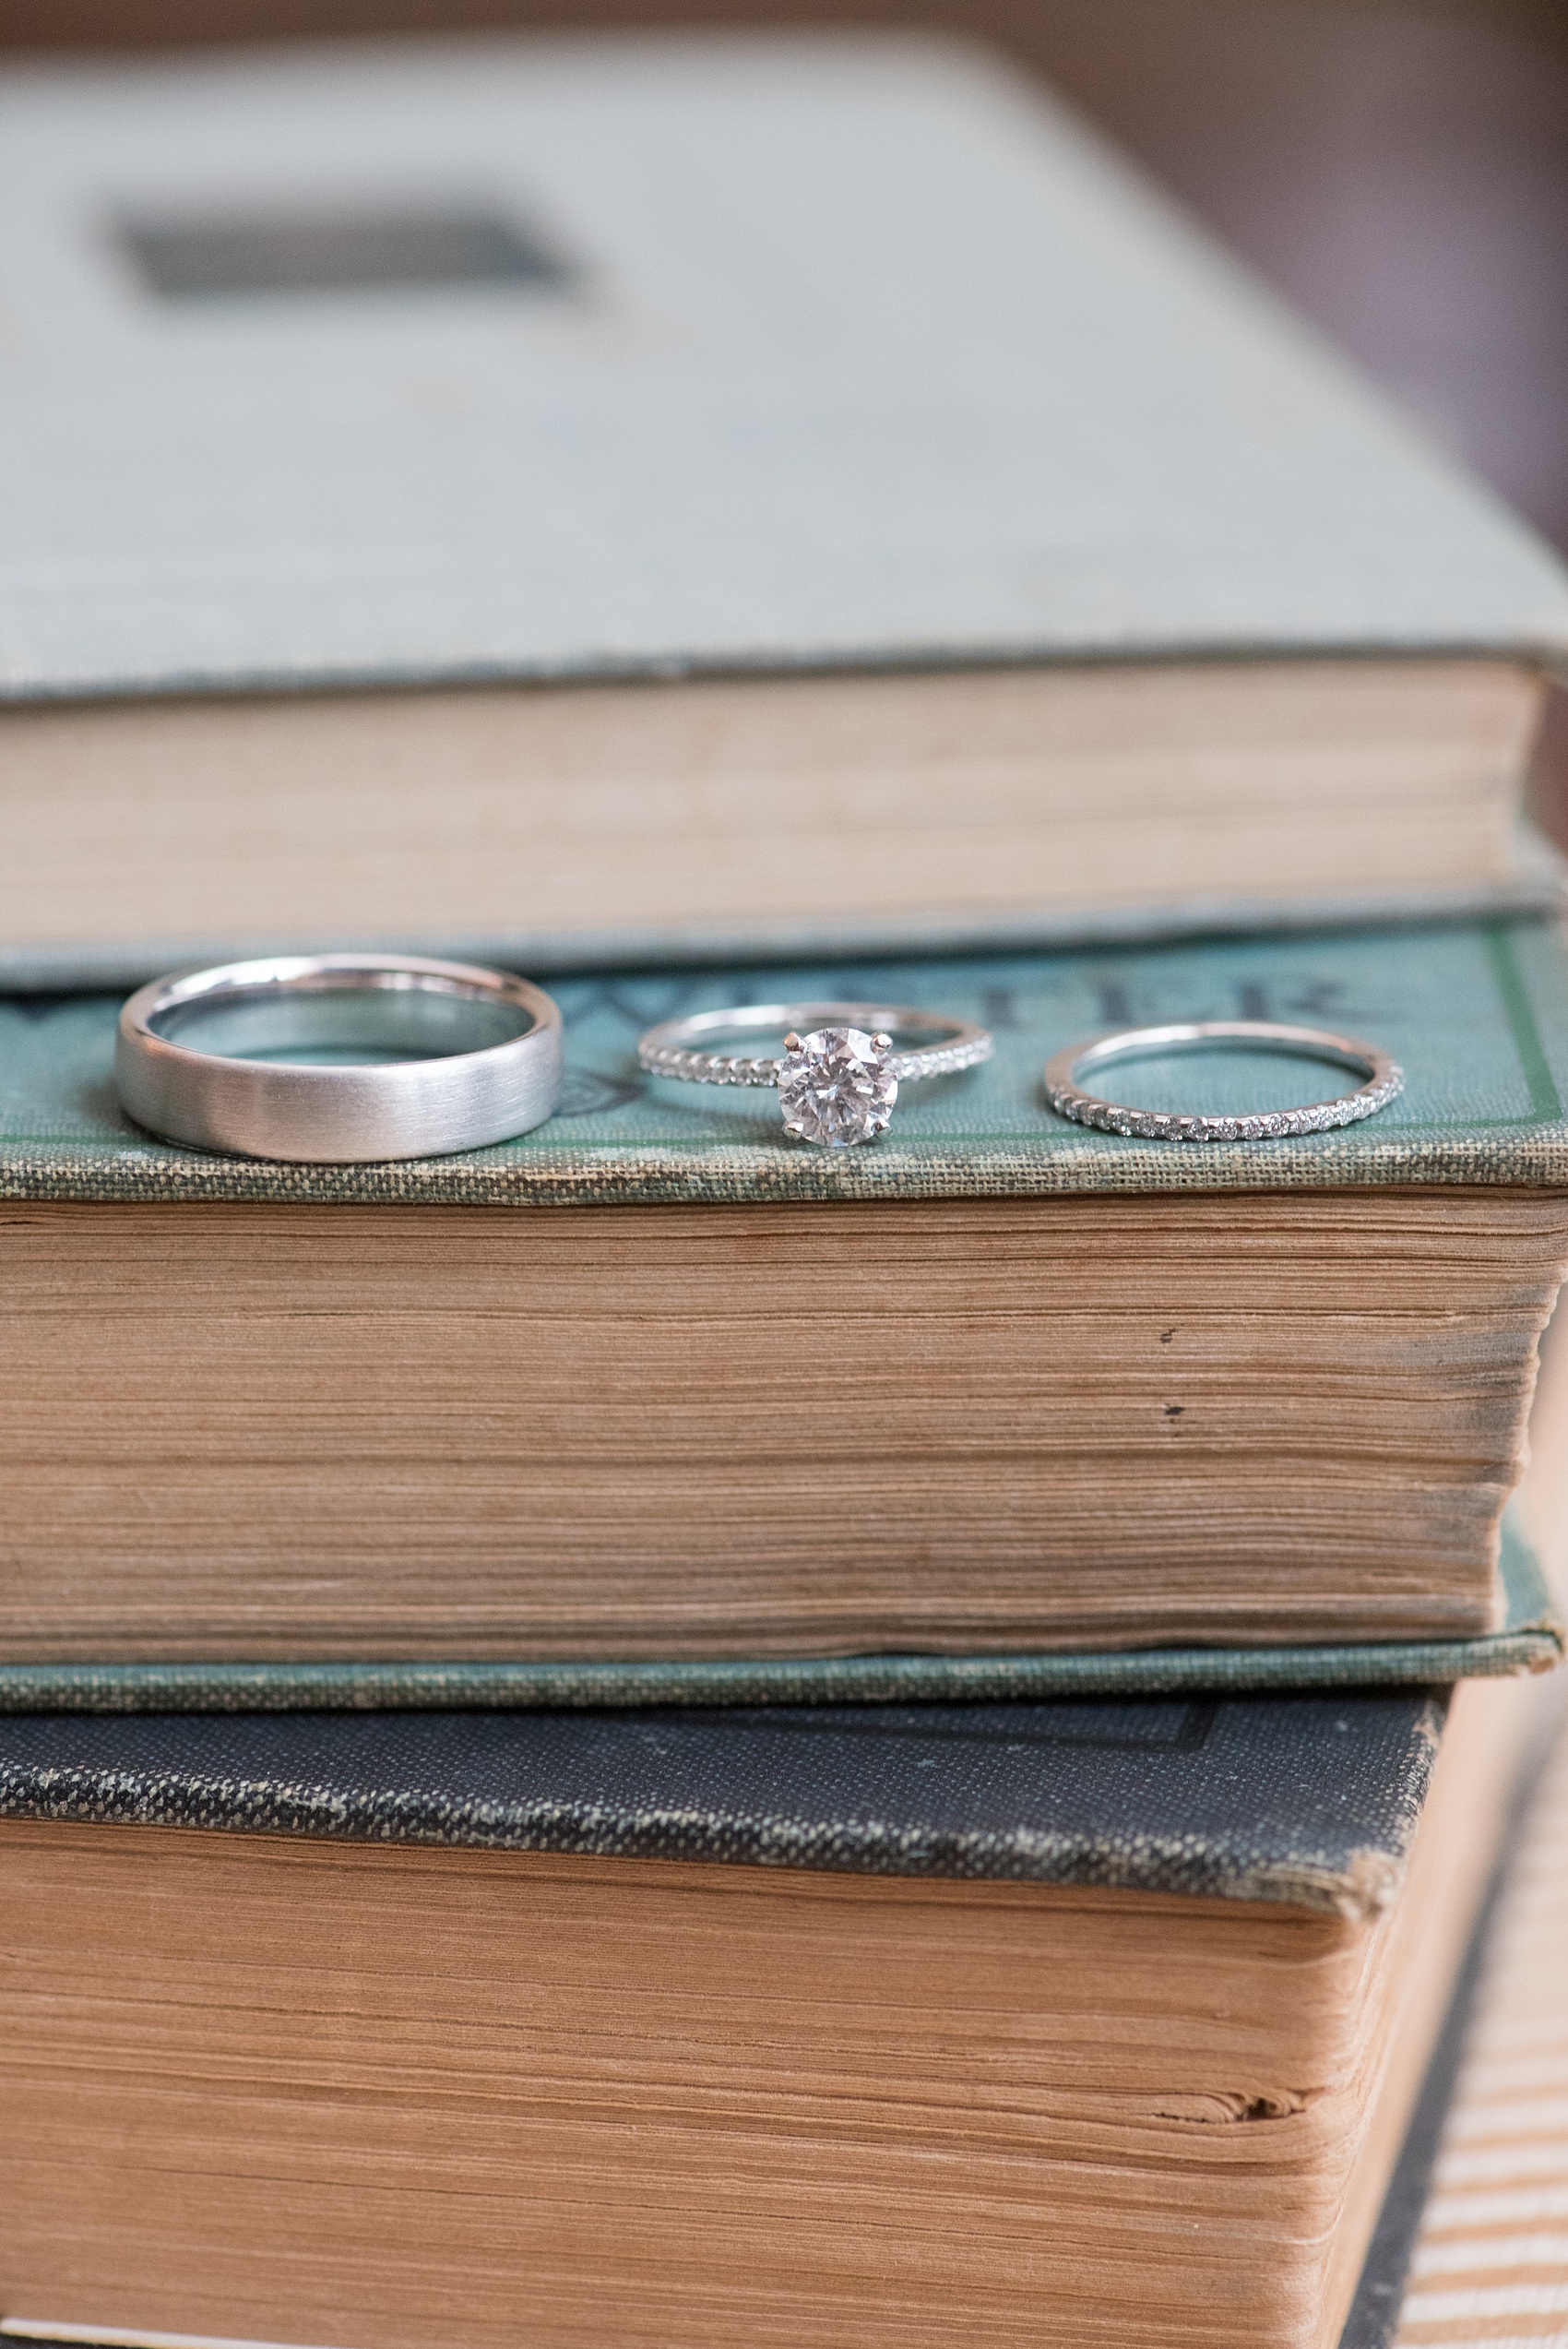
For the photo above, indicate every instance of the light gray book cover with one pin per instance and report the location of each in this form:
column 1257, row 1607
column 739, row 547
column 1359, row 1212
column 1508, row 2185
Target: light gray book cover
column 507, row 360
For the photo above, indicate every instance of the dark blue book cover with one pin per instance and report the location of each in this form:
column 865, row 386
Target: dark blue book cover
column 1307, row 1799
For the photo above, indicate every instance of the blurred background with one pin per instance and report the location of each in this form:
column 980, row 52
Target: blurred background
column 1397, row 168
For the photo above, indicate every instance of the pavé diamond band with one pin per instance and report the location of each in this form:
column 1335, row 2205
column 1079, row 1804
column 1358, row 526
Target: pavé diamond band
column 838, row 1075
column 1383, row 1080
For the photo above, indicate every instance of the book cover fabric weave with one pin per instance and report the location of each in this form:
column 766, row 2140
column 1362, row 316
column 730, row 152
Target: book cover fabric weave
column 525, row 361
column 1477, row 1016
column 1310, row 1800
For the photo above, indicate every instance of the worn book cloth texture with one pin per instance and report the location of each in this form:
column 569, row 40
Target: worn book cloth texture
column 642, row 395
column 1307, row 1800
column 1477, row 1016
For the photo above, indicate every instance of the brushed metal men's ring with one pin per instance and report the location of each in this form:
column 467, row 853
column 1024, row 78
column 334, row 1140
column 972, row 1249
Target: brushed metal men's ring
column 342, row 1058
column 1382, row 1075
column 842, row 1064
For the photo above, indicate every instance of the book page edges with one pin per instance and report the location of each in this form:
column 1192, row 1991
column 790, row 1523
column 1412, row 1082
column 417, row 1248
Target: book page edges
column 1529, row 1640
column 583, row 829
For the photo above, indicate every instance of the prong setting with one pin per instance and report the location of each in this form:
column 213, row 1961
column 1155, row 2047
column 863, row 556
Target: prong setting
column 837, row 1089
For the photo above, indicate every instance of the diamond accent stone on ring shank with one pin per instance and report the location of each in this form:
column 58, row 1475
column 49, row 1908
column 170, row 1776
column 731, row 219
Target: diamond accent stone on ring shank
column 836, row 1087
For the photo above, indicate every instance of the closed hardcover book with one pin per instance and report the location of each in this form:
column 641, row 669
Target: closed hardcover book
column 1061, row 2025
column 1530, row 1636
column 656, row 1387
column 618, row 501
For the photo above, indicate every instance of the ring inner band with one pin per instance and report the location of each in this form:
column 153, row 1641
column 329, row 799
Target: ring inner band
column 1161, row 1044
column 342, row 1016
column 711, row 1030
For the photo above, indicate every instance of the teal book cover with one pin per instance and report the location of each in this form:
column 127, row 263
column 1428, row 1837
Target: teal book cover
column 1476, row 1015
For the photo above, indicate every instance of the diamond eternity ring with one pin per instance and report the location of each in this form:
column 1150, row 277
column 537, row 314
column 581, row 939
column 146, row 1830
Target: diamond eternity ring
column 839, row 1073
column 1383, row 1080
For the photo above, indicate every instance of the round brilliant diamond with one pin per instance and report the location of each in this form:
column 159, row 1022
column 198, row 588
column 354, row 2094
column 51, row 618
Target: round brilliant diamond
column 836, row 1087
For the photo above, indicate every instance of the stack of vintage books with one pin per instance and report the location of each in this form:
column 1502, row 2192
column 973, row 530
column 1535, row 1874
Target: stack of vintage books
column 654, row 1735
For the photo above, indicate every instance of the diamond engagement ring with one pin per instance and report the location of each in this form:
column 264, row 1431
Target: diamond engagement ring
column 842, row 1064
column 1383, row 1080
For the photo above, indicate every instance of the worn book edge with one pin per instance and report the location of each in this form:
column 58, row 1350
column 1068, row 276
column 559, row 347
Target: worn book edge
column 1373, row 2321
column 1351, row 1880
column 1530, row 1638
column 1374, row 2318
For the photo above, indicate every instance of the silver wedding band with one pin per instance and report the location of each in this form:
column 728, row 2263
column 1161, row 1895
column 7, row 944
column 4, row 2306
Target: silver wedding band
column 472, row 1057
column 1382, row 1077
